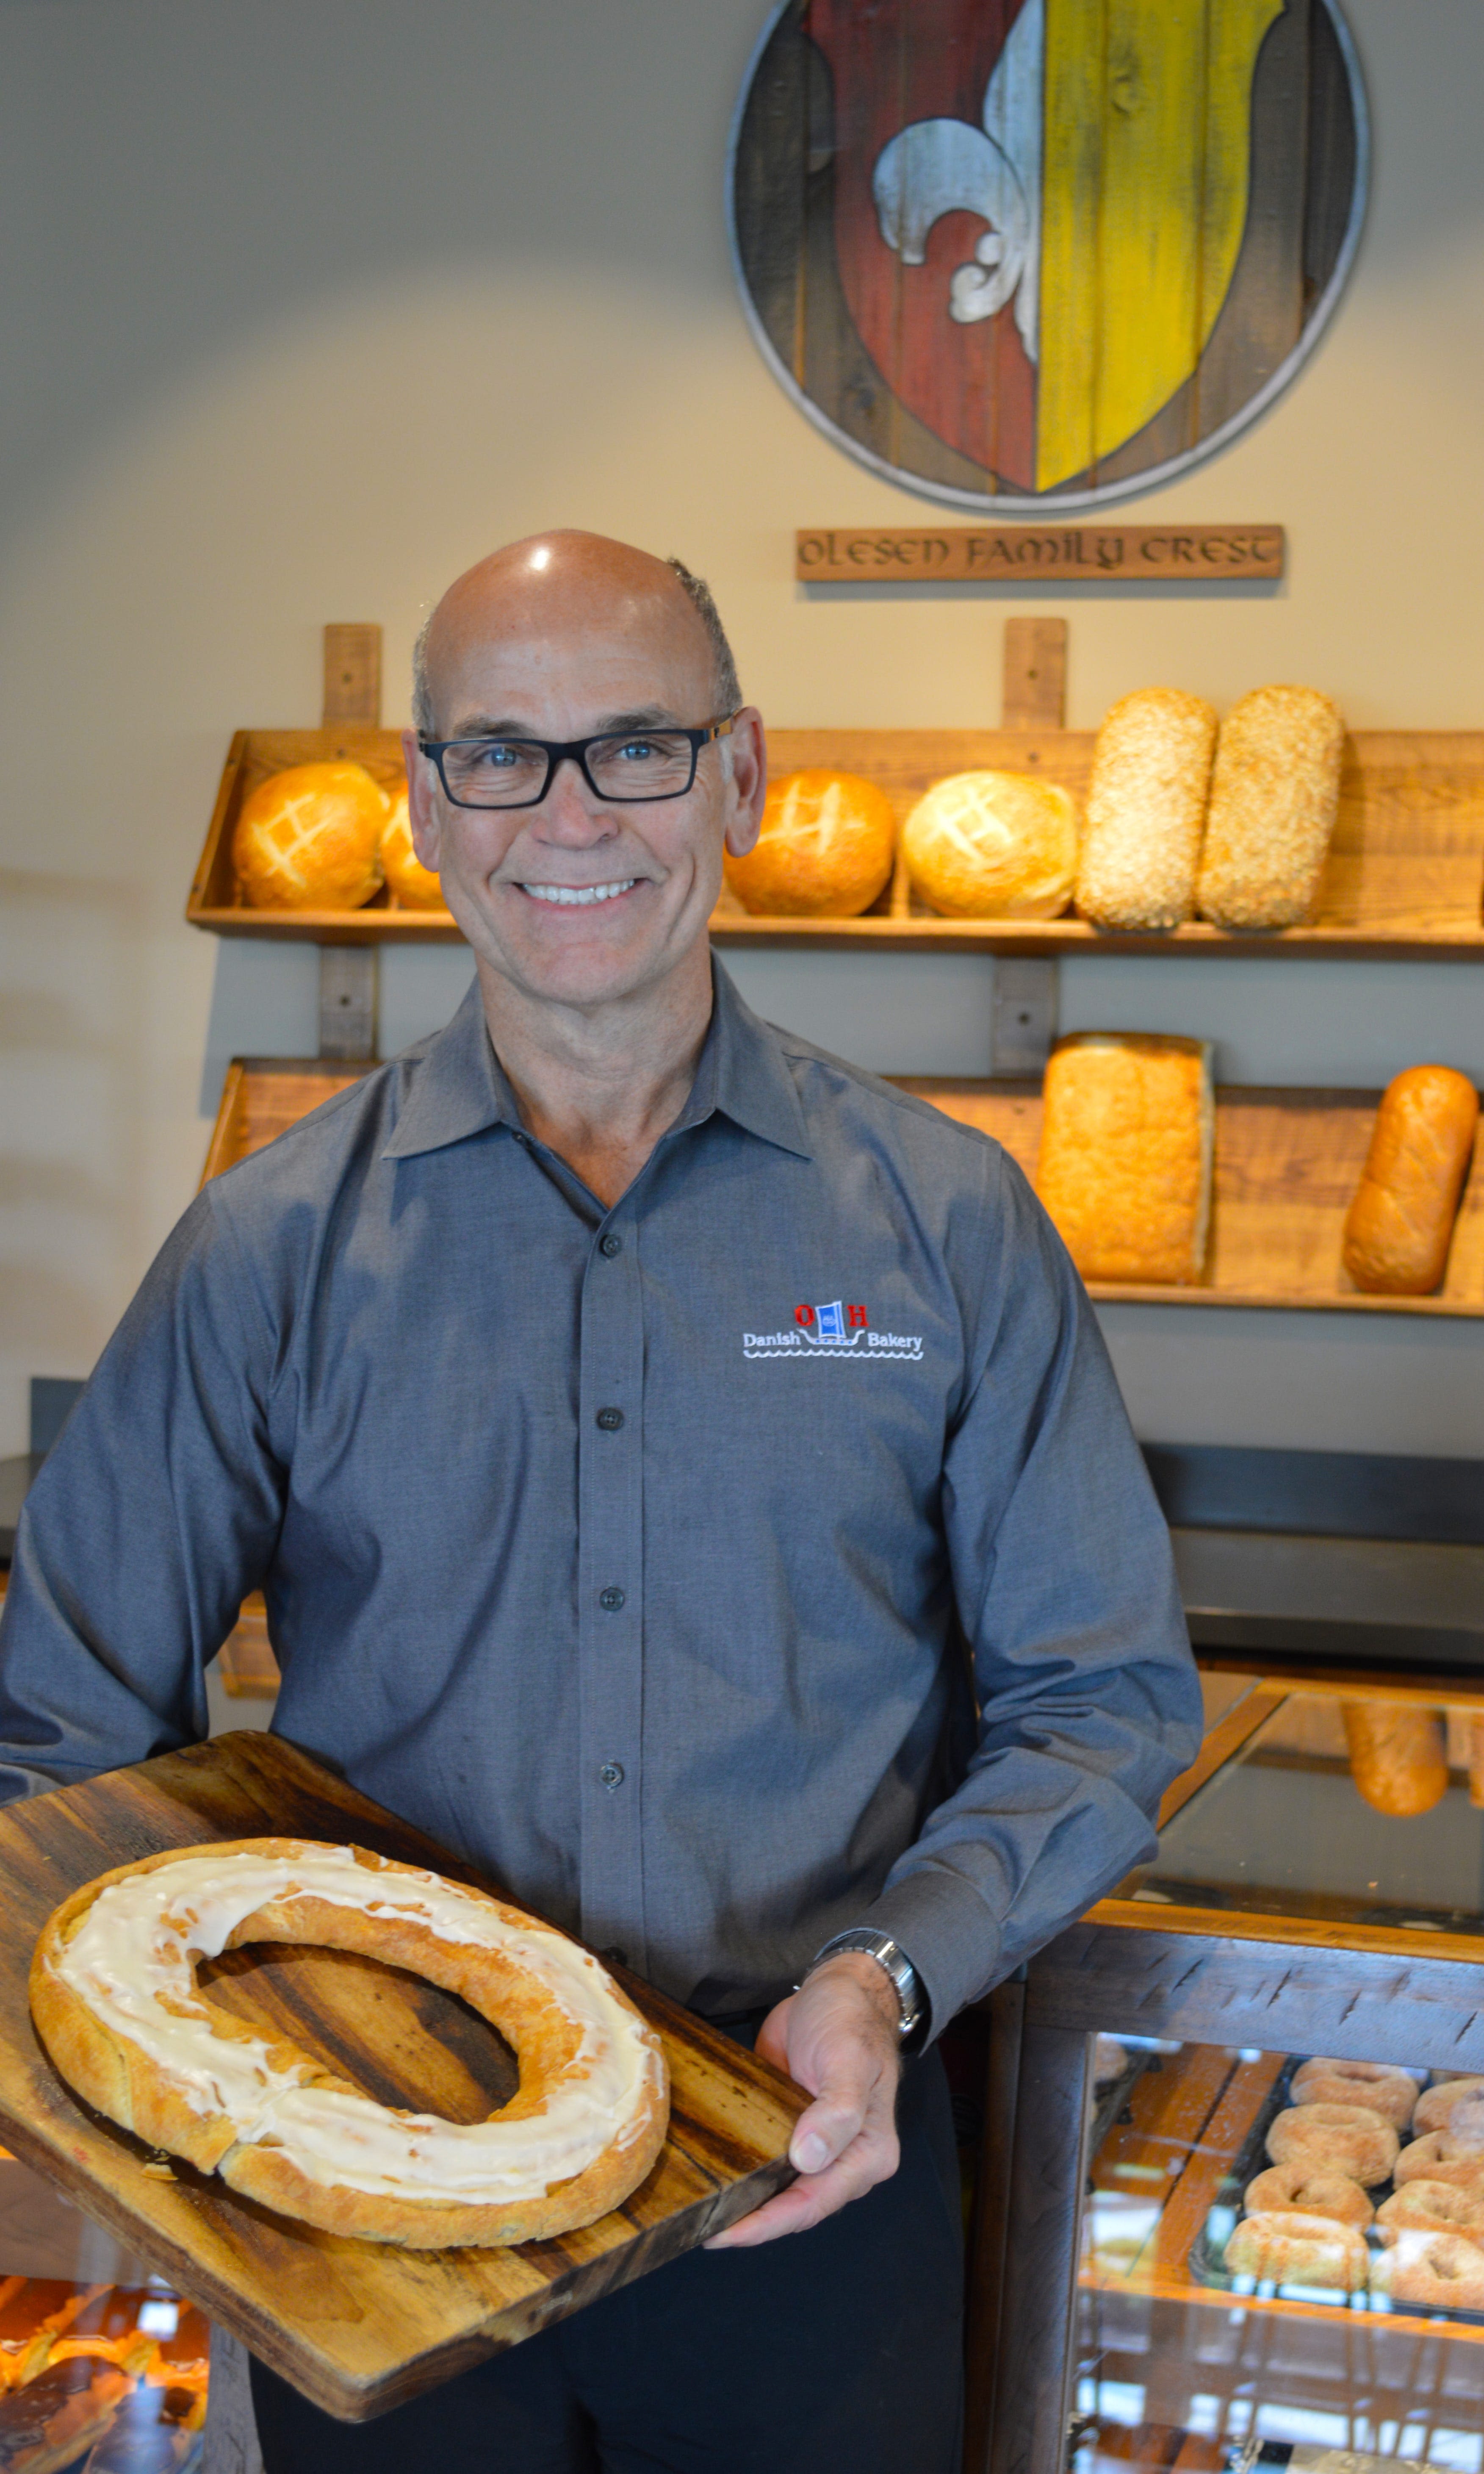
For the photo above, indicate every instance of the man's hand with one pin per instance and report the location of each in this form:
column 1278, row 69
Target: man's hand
column 838, row 2039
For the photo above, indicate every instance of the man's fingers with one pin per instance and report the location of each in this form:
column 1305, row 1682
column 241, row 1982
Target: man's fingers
column 870, row 2159
column 836, row 2117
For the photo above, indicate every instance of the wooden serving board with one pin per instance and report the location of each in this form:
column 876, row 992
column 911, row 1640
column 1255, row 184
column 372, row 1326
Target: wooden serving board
column 1405, row 874
column 357, row 2326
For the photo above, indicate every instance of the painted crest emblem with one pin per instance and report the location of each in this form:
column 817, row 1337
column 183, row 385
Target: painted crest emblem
column 1032, row 255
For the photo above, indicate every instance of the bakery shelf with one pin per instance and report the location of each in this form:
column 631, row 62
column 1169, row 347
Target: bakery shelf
column 1405, row 878
column 1287, row 1166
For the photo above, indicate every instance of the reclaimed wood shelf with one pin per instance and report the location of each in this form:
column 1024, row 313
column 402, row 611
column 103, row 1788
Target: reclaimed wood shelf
column 1405, row 878
column 1288, row 1163
column 358, row 2326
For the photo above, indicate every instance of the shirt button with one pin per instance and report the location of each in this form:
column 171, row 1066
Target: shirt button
column 611, row 1244
column 610, row 1419
column 610, row 1600
column 611, row 1775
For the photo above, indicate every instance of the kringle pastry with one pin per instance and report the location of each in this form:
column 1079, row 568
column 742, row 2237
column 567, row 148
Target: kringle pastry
column 307, row 840
column 415, row 886
column 1127, row 1133
column 1146, row 809
column 1294, row 2188
column 1382, row 2087
column 1398, row 1755
column 1293, row 2249
column 1398, row 1228
column 1439, row 2271
column 992, row 846
column 115, row 2000
column 825, row 849
column 1334, row 2139
column 1275, row 795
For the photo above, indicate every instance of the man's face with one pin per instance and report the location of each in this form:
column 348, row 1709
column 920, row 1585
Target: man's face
column 539, row 655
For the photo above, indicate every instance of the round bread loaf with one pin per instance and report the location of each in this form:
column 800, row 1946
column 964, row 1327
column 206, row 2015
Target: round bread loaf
column 825, row 849
column 1381, row 2087
column 1398, row 1755
column 414, row 886
column 1296, row 2189
column 1334, row 2139
column 1293, row 2250
column 1436, row 2109
column 1438, row 2272
column 1400, row 1225
column 1439, row 2157
column 307, row 839
column 115, row 2000
column 1431, row 2208
column 992, row 846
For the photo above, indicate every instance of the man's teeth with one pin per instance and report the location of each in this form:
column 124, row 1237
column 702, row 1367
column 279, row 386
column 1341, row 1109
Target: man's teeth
column 575, row 893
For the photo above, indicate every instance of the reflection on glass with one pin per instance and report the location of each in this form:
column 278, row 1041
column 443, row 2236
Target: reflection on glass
column 1360, row 1811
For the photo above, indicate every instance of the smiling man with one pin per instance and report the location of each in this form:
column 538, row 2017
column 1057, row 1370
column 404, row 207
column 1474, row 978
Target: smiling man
column 687, row 1480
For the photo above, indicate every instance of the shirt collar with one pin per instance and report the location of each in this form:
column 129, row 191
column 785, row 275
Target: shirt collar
column 458, row 1087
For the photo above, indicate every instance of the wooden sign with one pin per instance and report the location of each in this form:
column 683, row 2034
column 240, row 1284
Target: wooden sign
column 1048, row 253
column 1041, row 553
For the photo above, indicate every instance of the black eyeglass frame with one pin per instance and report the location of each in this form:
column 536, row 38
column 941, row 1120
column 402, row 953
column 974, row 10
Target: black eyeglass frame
column 558, row 750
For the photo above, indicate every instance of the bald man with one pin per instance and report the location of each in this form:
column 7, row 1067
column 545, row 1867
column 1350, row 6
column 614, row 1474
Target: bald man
column 687, row 1481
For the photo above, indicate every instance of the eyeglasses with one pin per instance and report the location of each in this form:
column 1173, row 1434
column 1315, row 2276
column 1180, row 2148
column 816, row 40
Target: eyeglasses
column 628, row 765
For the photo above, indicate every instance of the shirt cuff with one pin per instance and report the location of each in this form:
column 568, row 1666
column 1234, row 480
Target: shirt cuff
column 949, row 1934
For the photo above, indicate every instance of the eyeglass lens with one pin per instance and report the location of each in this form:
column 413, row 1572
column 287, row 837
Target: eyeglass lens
column 512, row 772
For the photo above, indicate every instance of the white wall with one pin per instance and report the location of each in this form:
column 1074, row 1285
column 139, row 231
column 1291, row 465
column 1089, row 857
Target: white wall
column 307, row 303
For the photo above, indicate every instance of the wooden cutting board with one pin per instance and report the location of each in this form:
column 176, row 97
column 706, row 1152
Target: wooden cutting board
column 357, row 2326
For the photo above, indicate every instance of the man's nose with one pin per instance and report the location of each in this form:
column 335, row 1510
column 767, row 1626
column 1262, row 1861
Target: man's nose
column 572, row 808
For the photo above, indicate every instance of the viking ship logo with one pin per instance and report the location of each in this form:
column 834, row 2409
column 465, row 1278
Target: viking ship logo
column 1030, row 255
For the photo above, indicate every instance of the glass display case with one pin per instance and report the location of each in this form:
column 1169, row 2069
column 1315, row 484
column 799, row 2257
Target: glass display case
column 1235, row 2210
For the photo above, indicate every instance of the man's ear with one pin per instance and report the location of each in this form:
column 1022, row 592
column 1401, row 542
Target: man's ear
column 749, row 781
column 422, row 810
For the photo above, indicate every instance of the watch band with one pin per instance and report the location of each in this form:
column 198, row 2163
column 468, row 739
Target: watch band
column 889, row 1954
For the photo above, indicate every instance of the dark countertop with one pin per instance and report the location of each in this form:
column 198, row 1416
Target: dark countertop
column 1364, row 1598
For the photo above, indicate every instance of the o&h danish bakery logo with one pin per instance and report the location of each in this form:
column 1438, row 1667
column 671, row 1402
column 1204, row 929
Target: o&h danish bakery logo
column 831, row 1331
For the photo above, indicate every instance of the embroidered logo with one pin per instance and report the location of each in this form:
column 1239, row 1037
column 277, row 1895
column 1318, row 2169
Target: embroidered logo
column 836, row 1330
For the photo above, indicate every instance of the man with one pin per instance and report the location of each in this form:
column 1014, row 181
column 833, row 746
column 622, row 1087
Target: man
column 651, row 1436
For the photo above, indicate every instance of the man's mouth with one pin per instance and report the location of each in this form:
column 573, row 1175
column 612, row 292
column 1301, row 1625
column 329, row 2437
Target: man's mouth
column 574, row 895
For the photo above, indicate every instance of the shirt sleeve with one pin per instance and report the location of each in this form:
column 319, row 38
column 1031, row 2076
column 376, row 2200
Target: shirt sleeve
column 153, row 1516
column 1064, row 1579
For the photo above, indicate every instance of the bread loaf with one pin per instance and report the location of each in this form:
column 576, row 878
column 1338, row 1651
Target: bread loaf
column 415, row 886
column 992, row 846
column 824, row 850
column 307, row 839
column 1398, row 1228
column 1398, row 1755
column 1126, row 1145
column 1146, row 809
column 1275, row 794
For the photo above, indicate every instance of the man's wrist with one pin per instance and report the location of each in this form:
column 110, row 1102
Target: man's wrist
column 889, row 1960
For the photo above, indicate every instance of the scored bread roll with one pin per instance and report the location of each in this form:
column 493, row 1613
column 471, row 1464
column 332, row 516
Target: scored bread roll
column 992, row 846
column 1398, row 1755
column 1146, row 807
column 1275, row 794
column 1398, row 1226
column 416, row 886
column 1126, row 1144
column 307, row 839
column 825, row 848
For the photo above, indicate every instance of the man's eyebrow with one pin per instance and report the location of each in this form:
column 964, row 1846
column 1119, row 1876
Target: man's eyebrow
column 481, row 725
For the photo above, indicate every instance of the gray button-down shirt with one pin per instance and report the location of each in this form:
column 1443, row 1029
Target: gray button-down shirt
column 767, row 1555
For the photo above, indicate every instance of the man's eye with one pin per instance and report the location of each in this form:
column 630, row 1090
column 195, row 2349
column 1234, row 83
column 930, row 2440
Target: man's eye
column 636, row 751
column 497, row 753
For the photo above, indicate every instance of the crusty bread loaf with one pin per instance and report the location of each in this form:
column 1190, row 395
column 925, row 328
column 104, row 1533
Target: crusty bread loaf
column 414, row 886
column 1126, row 1145
column 1275, row 794
column 1398, row 1755
column 992, row 846
column 824, row 850
column 1146, row 809
column 1398, row 1228
column 307, row 839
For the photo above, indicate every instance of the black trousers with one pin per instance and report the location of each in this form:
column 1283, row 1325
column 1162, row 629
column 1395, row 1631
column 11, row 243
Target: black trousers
column 836, row 2351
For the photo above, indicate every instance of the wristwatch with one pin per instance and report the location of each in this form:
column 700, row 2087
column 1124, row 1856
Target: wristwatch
column 890, row 1955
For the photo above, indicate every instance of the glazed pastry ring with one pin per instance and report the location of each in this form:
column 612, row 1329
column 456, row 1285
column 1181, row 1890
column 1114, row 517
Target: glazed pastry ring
column 114, row 1999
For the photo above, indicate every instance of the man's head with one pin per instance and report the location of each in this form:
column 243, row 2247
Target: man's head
column 582, row 900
